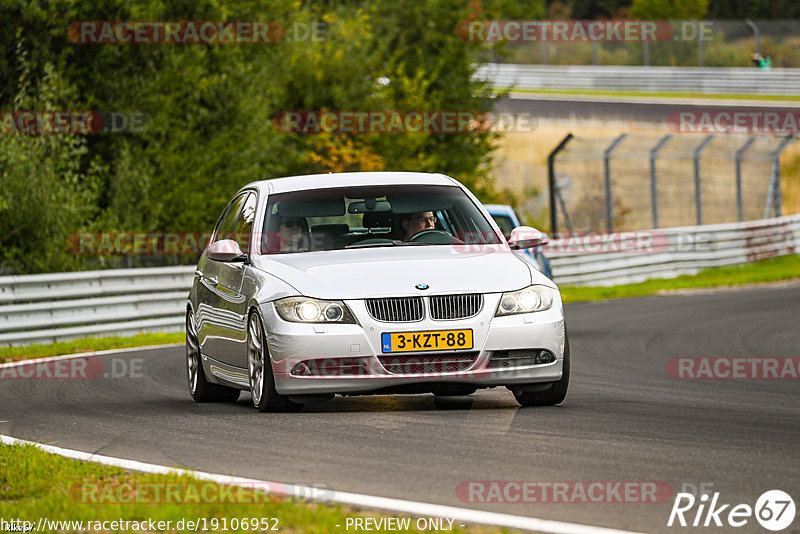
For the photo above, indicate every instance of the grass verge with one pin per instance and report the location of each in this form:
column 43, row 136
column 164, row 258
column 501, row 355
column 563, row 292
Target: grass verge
column 91, row 344
column 770, row 270
column 35, row 485
column 586, row 92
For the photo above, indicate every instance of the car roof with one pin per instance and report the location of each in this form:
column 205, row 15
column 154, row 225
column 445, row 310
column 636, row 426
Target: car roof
column 349, row 179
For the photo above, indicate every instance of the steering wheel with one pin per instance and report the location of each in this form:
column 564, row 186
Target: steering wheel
column 434, row 237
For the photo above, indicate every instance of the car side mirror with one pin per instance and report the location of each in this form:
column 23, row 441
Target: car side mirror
column 527, row 237
column 225, row 250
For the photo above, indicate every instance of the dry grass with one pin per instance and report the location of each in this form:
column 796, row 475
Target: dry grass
column 521, row 164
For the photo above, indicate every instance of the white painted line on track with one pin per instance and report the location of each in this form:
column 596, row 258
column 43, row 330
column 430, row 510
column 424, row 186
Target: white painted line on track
column 29, row 361
column 464, row 515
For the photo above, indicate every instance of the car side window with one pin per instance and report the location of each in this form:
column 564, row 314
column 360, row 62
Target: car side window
column 225, row 228
column 244, row 225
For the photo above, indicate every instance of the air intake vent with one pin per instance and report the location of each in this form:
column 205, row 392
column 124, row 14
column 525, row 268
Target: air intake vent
column 455, row 306
column 428, row 364
column 396, row 309
column 501, row 359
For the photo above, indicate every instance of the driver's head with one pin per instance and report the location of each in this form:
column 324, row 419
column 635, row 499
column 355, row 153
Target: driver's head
column 417, row 222
column 293, row 233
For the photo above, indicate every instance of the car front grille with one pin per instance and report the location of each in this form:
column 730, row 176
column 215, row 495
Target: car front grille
column 396, row 309
column 455, row 306
column 428, row 364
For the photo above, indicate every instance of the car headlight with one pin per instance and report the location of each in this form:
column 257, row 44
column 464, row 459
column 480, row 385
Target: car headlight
column 530, row 299
column 308, row 310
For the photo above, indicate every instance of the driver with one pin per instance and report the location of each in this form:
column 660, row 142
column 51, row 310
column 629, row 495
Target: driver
column 293, row 234
column 415, row 223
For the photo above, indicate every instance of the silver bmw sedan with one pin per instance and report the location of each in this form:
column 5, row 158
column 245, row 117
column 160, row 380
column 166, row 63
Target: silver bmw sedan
column 369, row 283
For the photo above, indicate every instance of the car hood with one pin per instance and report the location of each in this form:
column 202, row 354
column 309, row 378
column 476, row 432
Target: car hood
column 395, row 271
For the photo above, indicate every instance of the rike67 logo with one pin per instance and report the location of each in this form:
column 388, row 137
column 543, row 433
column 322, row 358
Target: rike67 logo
column 774, row 510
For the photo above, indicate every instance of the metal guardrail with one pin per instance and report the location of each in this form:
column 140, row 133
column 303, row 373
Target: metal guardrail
column 44, row 308
column 696, row 80
column 672, row 251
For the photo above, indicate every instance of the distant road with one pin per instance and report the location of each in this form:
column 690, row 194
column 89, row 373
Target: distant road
column 639, row 109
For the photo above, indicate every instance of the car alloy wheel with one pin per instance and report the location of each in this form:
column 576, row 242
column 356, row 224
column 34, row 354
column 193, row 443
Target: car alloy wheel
column 259, row 367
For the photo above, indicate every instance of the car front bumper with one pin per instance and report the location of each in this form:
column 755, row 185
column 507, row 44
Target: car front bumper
column 330, row 348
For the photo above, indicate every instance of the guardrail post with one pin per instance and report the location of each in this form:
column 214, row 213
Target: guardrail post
column 607, row 174
column 653, row 179
column 739, row 155
column 698, row 198
column 774, row 197
column 551, row 177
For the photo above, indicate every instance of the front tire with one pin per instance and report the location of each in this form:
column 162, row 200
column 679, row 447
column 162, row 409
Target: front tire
column 554, row 394
column 259, row 369
column 201, row 389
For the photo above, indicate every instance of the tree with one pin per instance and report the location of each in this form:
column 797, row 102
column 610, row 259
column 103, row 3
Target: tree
column 669, row 9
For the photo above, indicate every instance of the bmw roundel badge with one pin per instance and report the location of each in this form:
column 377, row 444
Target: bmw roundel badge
column 422, row 285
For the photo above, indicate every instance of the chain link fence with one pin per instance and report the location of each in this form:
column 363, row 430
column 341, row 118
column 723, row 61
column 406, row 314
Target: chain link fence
column 634, row 182
column 704, row 43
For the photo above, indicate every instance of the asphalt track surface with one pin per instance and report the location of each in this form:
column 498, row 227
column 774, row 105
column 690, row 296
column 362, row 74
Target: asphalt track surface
column 636, row 109
column 624, row 419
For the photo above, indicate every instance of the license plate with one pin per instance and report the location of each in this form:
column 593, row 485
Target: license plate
column 422, row 341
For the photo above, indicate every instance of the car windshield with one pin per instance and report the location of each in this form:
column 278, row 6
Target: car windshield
column 373, row 216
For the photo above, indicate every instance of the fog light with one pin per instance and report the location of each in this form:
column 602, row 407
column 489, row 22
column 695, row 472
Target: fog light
column 544, row 357
column 301, row 369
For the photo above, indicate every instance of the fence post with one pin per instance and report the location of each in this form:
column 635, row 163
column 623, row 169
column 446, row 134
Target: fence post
column 698, row 198
column 755, row 35
column 653, row 183
column 551, row 177
column 700, row 49
column 739, row 155
column 607, row 173
column 774, row 194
